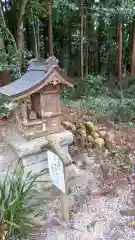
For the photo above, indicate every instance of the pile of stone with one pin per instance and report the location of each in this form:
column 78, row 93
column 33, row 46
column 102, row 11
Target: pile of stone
column 88, row 135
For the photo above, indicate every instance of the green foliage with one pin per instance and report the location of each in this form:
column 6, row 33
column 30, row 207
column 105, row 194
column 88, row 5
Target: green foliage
column 102, row 99
column 10, row 57
column 111, row 108
column 4, row 110
column 10, row 62
column 16, row 192
column 64, row 8
column 93, row 84
column 36, row 9
column 106, row 107
column 101, row 19
column 101, row 24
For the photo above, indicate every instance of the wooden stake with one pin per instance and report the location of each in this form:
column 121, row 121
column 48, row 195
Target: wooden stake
column 64, row 201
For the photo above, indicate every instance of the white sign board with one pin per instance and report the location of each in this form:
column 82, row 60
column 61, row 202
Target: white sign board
column 56, row 170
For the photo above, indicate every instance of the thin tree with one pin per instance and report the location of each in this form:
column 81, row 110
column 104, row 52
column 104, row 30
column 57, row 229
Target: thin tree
column 86, row 46
column 35, row 26
column 50, row 32
column 82, row 33
column 133, row 49
column 119, row 50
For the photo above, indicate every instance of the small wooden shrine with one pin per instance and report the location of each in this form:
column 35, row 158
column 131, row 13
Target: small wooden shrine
column 41, row 84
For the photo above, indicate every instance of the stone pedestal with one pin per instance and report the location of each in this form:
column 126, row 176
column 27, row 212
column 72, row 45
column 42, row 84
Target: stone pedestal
column 30, row 154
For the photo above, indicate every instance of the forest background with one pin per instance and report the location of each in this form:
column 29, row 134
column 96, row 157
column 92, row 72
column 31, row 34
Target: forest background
column 94, row 41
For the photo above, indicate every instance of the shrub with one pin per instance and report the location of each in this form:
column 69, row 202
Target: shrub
column 91, row 85
column 4, row 110
column 16, row 192
column 111, row 108
column 103, row 98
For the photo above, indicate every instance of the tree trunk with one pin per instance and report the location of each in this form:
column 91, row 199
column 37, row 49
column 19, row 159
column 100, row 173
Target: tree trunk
column 99, row 44
column 5, row 29
column 133, row 50
column 19, row 35
column 66, row 57
column 69, row 51
column 50, row 34
column 86, row 48
column 6, row 76
column 2, row 19
column 35, row 40
column 38, row 38
column 119, row 52
column 45, row 37
column 82, row 27
column 28, row 36
column 109, row 60
column 62, row 51
column 87, row 59
column 1, row 44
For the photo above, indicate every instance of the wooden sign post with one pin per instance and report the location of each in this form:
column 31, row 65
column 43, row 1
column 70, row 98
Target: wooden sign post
column 58, row 177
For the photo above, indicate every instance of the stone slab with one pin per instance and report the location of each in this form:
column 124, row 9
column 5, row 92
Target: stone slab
column 24, row 147
column 35, row 159
column 37, row 168
column 20, row 145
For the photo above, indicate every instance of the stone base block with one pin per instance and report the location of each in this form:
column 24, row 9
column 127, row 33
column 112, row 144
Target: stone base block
column 31, row 154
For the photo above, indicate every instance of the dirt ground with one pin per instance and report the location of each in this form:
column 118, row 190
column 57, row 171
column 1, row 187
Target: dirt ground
column 95, row 201
column 92, row 216
column 95, row 210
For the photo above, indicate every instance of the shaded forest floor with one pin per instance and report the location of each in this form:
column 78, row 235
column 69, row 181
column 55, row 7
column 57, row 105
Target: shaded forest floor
column 91, row 217
column 96, row 202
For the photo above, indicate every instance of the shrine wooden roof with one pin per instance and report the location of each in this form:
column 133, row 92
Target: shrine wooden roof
column 39, row 74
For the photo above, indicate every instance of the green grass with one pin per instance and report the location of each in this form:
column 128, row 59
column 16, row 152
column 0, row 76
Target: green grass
column 16, row 208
